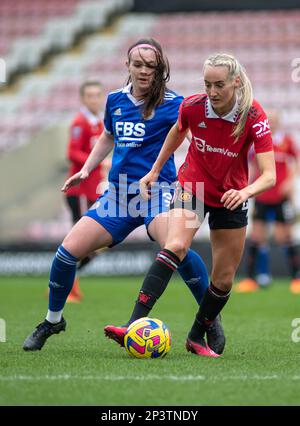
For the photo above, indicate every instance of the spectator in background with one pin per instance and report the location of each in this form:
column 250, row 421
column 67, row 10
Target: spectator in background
column 85, row 130
column 276, row 207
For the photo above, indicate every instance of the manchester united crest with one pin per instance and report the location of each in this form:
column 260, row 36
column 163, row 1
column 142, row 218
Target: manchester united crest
column 185, row 196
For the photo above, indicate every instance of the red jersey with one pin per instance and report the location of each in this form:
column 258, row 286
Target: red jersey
column 214, row 157
column 84, row 133
column 285, row 151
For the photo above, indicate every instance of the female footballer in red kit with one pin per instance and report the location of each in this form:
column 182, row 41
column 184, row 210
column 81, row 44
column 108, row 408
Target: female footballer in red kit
column 224, row 123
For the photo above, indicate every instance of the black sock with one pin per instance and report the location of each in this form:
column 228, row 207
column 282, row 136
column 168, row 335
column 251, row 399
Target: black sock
column 251, row 260
column 211, row 305
column 293, row 259
column 155, row 283
column 83, row 262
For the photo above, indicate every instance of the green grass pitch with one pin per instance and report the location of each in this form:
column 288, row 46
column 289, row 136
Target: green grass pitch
column 260, row 365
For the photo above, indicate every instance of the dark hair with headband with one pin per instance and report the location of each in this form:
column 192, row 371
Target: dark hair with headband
column 157, row 90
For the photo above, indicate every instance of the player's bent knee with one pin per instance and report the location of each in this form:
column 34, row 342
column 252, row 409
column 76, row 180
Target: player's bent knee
column 178, row 248
column 74, row 248
column 223, row 285
column 224, row 280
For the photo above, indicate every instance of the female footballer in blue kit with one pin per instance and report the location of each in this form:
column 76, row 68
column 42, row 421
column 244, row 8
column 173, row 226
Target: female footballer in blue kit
column 137, row 120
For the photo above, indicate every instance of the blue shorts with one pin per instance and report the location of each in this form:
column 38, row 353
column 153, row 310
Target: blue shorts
column 121, row 213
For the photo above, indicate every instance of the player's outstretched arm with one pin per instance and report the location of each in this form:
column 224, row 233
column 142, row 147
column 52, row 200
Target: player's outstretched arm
column 146, row 183
column 102, row 148
column 173, row 140
column 74, row 180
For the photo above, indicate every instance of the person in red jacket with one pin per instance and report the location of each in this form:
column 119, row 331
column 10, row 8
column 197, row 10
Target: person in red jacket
column 274, row 206
column 85, row 130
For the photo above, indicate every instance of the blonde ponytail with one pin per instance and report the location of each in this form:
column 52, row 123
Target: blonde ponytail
column 244, row 92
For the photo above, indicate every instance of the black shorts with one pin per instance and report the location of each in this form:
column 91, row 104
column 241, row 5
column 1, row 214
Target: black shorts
column 219, row 217
column 76, row 208
column 283, row 212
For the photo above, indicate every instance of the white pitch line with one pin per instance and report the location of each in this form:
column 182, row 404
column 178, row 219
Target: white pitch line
column 188, row 378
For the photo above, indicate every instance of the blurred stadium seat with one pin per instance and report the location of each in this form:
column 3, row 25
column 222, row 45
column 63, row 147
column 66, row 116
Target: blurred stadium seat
column 31, row 30
column 265, row 43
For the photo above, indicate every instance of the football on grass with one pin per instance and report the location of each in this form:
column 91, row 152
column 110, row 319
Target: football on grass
column 147, row 338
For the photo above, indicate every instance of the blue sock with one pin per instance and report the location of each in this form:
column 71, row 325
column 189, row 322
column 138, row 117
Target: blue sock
column 263, row 266
column 194, row 273
column 62, row 276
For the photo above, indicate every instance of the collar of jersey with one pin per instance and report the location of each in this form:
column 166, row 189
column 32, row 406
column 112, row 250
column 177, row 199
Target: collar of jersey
column 127, row 91
column 231, row 116
column 92, row 118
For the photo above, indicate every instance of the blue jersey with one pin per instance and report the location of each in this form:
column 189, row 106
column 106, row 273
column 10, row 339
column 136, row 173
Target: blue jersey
column 138, row 140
